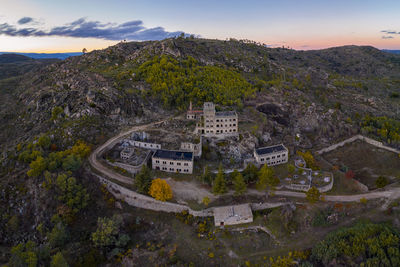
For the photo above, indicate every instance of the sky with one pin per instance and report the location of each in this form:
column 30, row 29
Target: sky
column 71, row 25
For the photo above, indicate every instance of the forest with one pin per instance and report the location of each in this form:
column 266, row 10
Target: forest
column 177, row 82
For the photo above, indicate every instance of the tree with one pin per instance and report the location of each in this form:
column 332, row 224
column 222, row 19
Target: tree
column 364, row 244
column 44, row 141
column 71, row 163
column 219, row 185
column 58, row 260
column 37, row 167
column 143, row 180
column 382, row 181
column 58, row 235
column 291, row 168
column 84, row 50
column 309, row 159
column 71, row 193
column 206, row 200
column 238, row 183
column 207, row 176
column 250, row 173
column 106, row 232
column 266, row 177
column 80, row 149
column 349, row 174
column 24, row 254
column 313, row 194
column 160, row 190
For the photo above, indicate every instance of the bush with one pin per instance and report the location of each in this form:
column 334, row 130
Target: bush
column 382, row 181
column 313, row 195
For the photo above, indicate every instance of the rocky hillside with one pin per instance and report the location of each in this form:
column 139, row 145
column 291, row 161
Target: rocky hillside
column 47, row 106
column 317, row 90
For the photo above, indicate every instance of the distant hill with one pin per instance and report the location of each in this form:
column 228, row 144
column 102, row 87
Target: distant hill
column 13, row 58
column 392, row 51
column 45, row 55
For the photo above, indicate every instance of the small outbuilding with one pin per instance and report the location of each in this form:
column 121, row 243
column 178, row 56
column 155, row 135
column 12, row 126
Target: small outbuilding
column 231, row 215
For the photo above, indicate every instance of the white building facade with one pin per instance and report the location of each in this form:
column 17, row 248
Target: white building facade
column 173, row 161
column 219, row 124
column 272, row 155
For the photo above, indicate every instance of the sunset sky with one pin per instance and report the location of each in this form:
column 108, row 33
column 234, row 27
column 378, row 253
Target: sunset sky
column 70, row 25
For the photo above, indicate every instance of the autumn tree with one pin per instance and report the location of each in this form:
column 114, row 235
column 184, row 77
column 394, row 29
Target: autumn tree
column 206, row 200
column 81, row 149
column 160, row 190
column 313, row 194
column 266, row 177
column 238, row 183
column 143, row 180
column 309, row 159
column 219, row 185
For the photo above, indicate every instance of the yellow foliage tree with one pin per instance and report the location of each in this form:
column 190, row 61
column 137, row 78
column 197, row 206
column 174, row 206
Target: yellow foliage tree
column 160, row 190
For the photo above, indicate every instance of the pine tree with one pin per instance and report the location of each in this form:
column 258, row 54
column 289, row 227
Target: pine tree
column 266, row 177
column 219, row 186
column 143, row 180
column 207, row 177
column 238, row 183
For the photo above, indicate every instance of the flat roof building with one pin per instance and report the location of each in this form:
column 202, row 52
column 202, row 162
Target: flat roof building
column 231, row 215
column 271, row 155
column 173, row 161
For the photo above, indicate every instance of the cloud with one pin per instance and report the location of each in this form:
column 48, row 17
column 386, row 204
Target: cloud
column 390, row 32
column 82, row 28
column 387, row 37
column 25, row 20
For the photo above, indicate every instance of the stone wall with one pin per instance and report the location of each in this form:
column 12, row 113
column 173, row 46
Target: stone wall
column 358, row 137
column 145, row 202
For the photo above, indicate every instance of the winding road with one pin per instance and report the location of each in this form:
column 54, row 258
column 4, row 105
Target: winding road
column 389, row 194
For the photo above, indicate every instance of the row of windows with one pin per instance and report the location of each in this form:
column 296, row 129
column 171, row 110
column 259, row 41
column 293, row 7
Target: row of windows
column 226, row 125
column 173, row 170
column 145, row 145
column 221, row 131
column 273, row 157
column 221, row 120
column 172, row 163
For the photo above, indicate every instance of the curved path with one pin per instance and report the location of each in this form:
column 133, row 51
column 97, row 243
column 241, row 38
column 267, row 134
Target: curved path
column 142, row 201
column 96, row 164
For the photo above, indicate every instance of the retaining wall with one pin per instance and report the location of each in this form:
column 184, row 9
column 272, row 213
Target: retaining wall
column 141, row 201
column 358, row 137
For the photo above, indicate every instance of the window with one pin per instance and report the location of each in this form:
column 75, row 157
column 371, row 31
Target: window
column 268, row 158
column 164, row 162
column 262, row 159
column 186, row 164
column 178, row 163
column 171, row 169
column 278, row 156
column 273, row 157
column 171, row 163
column 157, row 161
column 234, row 119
